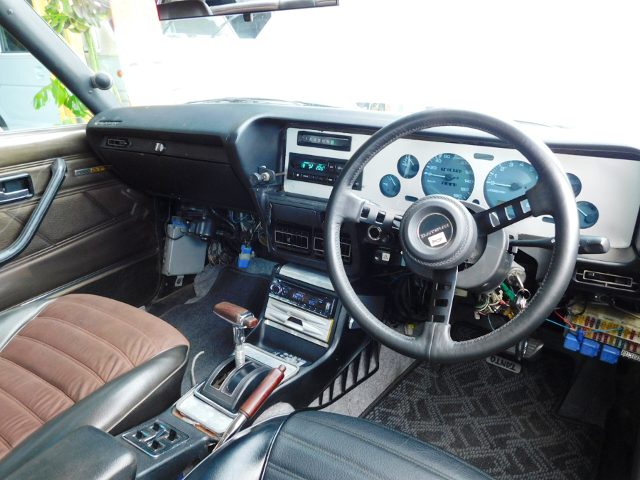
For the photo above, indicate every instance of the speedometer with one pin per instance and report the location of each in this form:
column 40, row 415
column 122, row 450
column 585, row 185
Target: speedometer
column 509, row 180
column 448, row 174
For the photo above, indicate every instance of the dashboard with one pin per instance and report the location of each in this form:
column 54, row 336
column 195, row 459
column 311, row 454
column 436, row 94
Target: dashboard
column 208, row 154
column 607, row 193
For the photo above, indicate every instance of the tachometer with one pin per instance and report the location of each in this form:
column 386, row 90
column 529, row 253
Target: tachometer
column 390, row 185
column 448, row 174
column 509, row 180
column 408, row 166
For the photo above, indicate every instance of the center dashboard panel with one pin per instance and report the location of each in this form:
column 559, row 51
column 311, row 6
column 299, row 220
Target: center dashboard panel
column 607, row 199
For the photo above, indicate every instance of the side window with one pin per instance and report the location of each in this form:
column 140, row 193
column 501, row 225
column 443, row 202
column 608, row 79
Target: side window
column 24, row 81
column 8, row 44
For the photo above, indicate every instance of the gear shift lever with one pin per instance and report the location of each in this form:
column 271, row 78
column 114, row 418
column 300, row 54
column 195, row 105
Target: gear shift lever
column 240, row 318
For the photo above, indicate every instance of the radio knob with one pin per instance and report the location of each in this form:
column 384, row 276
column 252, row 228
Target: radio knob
column 275, row 289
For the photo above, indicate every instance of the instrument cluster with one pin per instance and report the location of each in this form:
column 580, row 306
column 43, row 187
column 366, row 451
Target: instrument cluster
column 607, row 197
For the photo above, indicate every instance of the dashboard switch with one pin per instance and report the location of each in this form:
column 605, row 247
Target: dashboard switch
column 380, row 217
column 365, row 212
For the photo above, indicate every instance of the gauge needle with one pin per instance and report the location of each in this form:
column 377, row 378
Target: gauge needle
column 586, row 215
column 434, row 175
column 502, row 185
column 394, row 181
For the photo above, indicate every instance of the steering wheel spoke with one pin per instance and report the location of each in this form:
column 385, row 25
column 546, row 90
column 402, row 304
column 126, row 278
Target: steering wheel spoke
column 443, row 288
column 361, row 210
column 503, row 215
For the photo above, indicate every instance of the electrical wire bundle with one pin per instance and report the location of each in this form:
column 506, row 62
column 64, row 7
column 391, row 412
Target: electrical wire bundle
column 491, row 303
column 410, row 298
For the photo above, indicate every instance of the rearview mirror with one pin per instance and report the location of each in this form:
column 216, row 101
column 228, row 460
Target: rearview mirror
column 198, row 8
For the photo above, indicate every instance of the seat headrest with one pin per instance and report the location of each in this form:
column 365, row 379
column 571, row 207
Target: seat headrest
column 183, row 9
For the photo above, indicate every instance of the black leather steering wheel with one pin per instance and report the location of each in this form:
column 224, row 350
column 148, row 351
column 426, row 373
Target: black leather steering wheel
column 438, row 233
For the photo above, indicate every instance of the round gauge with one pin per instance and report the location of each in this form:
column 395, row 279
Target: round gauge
column 588, row 214
column 390, row 185
column 575, row 182
column 448, row 174
column 408, row 166
column 509, row 180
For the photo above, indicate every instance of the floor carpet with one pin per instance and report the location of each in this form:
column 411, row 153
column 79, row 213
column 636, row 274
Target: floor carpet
column 504, row 423
column 204, row 330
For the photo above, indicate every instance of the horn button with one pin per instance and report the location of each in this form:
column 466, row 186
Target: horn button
column 437, row 232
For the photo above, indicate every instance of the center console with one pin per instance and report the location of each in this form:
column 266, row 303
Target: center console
column 303, row 331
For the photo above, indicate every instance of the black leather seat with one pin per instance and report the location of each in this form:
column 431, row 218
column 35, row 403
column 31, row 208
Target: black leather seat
column 325, row 446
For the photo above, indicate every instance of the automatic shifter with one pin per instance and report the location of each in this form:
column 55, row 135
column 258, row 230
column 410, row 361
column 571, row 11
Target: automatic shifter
column 241, row 319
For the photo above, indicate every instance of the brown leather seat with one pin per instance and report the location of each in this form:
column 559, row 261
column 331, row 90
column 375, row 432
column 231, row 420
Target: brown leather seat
column 82, row 360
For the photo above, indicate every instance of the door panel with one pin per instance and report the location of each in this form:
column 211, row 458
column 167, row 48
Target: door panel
column 95, row 222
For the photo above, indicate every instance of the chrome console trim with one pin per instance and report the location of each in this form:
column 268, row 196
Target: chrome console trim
column 307, row 275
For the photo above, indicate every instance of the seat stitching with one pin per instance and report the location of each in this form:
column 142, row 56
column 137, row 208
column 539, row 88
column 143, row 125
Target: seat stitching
column 93, row 335
column 38, row 377
column 285, row 471
column 333, row 455
column 112, row 315
column 6, row 442
column 384, row 447
column 22, row 405
column 66, row 355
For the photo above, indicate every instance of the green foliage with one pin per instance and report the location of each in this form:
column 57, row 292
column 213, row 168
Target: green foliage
column 75, row 15
column 62, row 97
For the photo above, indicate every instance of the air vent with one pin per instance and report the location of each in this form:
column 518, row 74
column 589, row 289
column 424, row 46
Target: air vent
column 118, row 142
column 292, row 238
column 606, row 280
column 345, row 247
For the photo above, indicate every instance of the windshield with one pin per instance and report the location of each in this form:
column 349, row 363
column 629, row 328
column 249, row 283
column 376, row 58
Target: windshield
column 569, row 64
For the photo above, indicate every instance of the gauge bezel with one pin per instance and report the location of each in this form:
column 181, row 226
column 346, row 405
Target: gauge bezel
column 519, row 163
column 412, row 158
column 454, row 157
column 399, row 185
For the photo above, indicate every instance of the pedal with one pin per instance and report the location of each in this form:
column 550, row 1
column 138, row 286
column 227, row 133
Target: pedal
column 528, row 349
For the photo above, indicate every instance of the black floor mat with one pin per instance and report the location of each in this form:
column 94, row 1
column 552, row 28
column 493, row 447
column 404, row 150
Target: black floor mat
column 204, row 330
column 504, row 423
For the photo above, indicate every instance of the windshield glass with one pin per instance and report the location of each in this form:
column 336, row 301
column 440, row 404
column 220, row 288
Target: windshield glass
column 569, row 64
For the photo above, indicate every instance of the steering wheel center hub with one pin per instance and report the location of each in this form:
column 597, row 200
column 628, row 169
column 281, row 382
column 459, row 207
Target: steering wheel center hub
column 437, row 232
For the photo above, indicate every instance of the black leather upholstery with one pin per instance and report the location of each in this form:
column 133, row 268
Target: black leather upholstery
column 325, row 446
column 86, row 453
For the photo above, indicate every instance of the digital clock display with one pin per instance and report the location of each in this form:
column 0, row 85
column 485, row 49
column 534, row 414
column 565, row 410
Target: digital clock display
column 316, row 167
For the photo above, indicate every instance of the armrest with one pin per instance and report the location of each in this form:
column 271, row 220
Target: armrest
column 86, row 453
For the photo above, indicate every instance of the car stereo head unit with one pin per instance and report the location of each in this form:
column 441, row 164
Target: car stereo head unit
column 314, row 169
column 315, row 302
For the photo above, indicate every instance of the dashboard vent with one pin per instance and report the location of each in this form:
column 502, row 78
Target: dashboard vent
column 606, row 280
column 345, row 247
column 118, row 143
column 292, row 238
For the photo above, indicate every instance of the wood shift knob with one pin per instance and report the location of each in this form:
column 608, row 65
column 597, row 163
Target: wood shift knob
column 260, row 394
column 235, row 315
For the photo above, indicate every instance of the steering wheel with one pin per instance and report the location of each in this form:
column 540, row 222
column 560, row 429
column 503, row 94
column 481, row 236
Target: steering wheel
column 438, row 233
